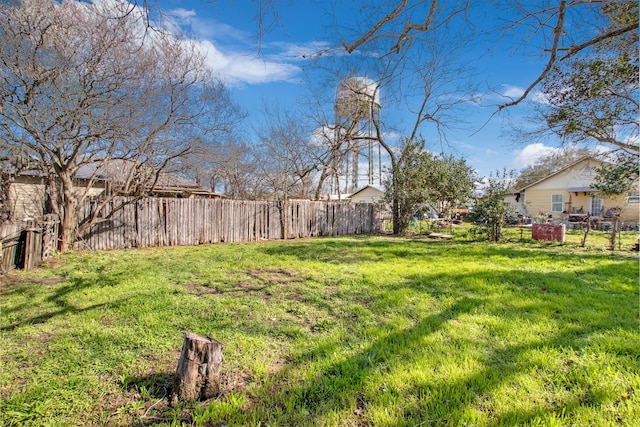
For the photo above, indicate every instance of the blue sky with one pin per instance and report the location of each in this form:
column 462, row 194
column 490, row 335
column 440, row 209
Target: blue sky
column 276, row 73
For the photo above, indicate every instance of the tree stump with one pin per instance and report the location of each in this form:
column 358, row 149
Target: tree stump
column 198, row 372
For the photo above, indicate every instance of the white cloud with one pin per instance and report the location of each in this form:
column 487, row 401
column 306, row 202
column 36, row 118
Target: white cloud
column 392, row 138
column 215, row 59
column 540, row 98
column 252, row 70
column 183, row 14
column 291, row 51
column 239, row 68
column 188, row 21
column 512, row 92
column 232, row 55
column 506, row 93
column 531, row 153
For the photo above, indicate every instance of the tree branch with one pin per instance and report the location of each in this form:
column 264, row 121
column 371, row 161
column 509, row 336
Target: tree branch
column 369, row 34
column 557, row 33
column 573, row 50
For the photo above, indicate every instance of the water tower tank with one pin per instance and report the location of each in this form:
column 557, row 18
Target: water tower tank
column 357, row 98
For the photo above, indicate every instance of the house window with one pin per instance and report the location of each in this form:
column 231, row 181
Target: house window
column 596, row 206
column 557, row 203
column 633, row 197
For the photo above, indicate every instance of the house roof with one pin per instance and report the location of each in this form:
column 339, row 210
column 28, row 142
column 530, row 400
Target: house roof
column 572, row 165
column 114, row 170
column 340, row 196
column 374, row 187
column 581, row 189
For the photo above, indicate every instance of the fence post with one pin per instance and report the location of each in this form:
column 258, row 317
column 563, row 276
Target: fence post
column 32, row 248
column 49, row 226
column 168, row 223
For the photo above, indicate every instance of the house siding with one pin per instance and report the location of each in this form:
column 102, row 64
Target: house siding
column 368, row 195
column 630, row 211
column 29, row 196
column 540, row 203
column 537, row 198
column 27, row 199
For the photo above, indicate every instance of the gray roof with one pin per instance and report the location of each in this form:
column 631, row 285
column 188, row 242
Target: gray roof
column 581, row 190
column 115, row 169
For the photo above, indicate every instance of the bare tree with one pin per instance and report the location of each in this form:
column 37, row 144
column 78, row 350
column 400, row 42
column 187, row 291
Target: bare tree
column 286, row 156
column 233, row 168
column 565, row 28
column 84, row 85
column 333, row 149
column 568, row 29
column 431, row 85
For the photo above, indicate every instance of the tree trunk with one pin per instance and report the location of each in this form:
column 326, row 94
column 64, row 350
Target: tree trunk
column 395, row 206
column 66, row 229
column 198, row 372
column 69, row 211
column 586, row 230
column 614, row 232
column 323, row 177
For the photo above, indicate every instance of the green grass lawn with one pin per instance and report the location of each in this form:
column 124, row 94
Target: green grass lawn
column 354, row 331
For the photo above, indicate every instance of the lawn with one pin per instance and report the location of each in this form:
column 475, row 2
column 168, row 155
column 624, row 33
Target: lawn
column 352, row 331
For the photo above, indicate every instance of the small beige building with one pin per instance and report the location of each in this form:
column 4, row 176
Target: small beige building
column 568, row 195
column 368, row 194
column 27, row 197
column 29, row 190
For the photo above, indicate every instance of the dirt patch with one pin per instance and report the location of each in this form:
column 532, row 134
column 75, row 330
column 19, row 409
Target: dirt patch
column 14, row 279
column 163, row 362
column 142, row 397
column 296, row 296
column 274, row 276
column 201, row 289
column 263, row 283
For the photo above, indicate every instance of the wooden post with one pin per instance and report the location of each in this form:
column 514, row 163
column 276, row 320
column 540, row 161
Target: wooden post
column 32, row 248
column 198, row 372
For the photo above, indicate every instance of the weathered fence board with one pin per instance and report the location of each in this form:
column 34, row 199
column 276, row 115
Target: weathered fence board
column 26, row 245
column 152, row 222
column 181, row 222
column 11, row 249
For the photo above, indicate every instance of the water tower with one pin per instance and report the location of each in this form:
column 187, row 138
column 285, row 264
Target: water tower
column 357, row 106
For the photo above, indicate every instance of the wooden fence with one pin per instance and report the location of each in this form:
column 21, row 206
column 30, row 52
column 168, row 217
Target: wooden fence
column 182, row 222
column 26, row 245
column 175, row 222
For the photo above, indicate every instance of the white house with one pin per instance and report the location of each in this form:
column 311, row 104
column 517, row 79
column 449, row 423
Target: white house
column 368, row 194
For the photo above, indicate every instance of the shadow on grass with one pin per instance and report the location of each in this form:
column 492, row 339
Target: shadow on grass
column 154, row 386
column 473, row 393
column 355, row 250
column 344, row 386
column 60, row 299
column 347, row 384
